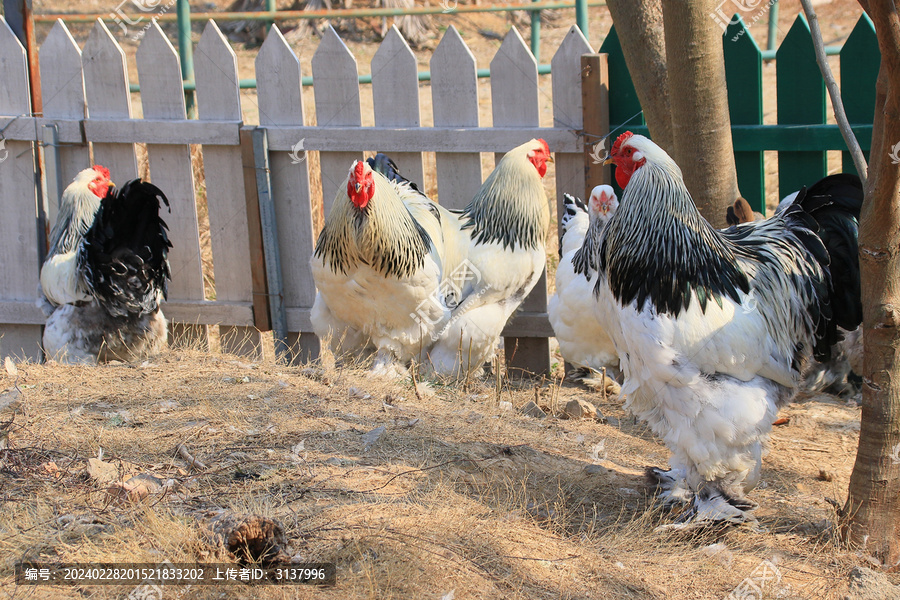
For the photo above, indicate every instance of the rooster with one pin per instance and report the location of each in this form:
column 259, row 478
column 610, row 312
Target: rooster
column 713, row 328
column 378, row 268
column 582, row 341
column 106, row 272
column 500, row 240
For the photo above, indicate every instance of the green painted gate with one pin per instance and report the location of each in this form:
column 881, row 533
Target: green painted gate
column 801, row 136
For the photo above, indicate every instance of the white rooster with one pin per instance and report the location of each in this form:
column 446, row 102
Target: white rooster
column 106, row 272
column 378, row 268
column 582, row 341
column 713, row 328
column 500, row 238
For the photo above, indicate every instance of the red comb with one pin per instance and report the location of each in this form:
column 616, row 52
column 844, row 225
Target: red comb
column 545, row 145
column 619, row 141
column 357, row 171
column 102, row 170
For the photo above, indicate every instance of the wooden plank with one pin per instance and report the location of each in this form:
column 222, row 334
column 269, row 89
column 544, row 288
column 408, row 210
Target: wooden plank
column 337, row 104
column 437, row 139
column 525, row 324
column 514, row 102
column 595, row 100
column 395, row 91
column 454, row 97
column 170, row 169
column 203, row 312
column 801, row 100
column 19, row 256
column 159, row 131
column 860, row 60
column 218, row 98
column 743, row 72
column 254, row 226
column 568, row 111
column 28, row 129
column 62, row 83
column 20, row 312
column 106, row 90
column 280, row 96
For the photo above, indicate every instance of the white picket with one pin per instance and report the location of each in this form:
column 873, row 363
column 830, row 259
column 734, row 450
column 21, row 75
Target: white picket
column 62, row 92
column 280, row 100
column 565, row 69
column 218, row 98
column 19, row 258
column 162, row 97
column 336, row 92
column 514, row 102
column 108, row 97
column 454, row 93
column 395, row 91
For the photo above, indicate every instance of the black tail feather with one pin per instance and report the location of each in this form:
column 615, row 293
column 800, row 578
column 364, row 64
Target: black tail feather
column 125, row 253
column 835, row 203
column 383, row 164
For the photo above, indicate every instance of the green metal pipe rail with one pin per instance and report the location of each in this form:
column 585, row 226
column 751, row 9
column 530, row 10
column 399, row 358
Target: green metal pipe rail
column 341, row 13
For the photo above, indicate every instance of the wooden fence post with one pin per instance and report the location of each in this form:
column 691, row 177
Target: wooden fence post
column 218, row 99
column 162, row 97
column 595, row 102
column 280, row 95
column 514, row 102
column 19, row 260
column 801, row 101
column 454, row 98
column 860, row 58
column 743, row 72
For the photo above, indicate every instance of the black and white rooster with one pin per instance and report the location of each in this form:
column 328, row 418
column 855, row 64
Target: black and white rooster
column 713, row 328
column 106, row 272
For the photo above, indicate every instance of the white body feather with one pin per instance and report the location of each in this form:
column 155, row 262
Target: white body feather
column 583, row 341
column 492, row 276
column 362, row 309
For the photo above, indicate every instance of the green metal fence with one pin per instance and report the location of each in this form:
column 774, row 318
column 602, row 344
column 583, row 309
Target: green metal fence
column 801, row 135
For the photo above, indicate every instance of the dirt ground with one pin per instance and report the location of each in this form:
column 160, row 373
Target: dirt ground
column 460, row 493
column 461, row 496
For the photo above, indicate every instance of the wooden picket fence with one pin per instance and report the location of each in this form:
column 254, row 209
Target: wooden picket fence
column 94, row 82
column 258, row 184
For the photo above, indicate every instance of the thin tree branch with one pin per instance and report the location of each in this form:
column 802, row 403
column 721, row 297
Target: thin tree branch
column 859, row 160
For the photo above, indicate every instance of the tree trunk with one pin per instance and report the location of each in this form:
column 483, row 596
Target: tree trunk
column 639, row 24
column 701, row 124
column 872, row 513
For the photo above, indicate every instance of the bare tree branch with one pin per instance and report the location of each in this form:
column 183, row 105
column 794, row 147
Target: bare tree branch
column 859, row 160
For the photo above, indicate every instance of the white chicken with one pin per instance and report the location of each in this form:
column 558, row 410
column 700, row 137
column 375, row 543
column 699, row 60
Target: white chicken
column 106, row 272
column 500, row 240
column 582, row 341
column 713, row 328
column 378, row 268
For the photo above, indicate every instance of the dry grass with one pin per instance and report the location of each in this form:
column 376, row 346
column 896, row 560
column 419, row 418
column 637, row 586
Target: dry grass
column 457, row 494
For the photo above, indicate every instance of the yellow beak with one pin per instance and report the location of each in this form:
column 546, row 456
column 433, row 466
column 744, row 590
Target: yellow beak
column 550, row 158
column 358, row 187
column 111, row 184
column 608, row 161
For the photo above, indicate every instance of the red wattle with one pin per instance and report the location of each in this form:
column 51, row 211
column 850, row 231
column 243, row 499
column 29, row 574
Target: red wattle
column 622, row 177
